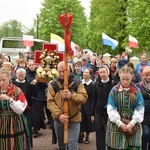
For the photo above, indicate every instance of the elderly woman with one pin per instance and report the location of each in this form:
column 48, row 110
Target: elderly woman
column 142, row 64
column 29, row 91
column 144, row 85
column 7, row 65
column 113, row 66
column 12, row 121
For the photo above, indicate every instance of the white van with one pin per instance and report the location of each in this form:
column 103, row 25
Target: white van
column 13, row 45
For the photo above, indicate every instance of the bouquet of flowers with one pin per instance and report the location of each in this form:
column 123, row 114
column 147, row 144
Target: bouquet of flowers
column 47, row 70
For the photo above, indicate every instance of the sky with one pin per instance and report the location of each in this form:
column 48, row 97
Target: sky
column 25, row 11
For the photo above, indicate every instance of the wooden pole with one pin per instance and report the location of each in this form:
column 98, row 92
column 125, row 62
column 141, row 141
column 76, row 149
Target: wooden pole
column 66, row 83
column 66, row 100
column 65, row 20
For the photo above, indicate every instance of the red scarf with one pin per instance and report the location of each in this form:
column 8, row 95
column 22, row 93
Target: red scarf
column 10, row 91
column 113, row 70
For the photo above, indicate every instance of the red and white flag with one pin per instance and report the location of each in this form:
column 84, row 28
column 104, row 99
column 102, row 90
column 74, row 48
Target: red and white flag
column 133, row 42
column 76, row 48
column 28, row 40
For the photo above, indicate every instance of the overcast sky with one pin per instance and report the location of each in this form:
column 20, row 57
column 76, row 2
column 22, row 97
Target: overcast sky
column 25, row 10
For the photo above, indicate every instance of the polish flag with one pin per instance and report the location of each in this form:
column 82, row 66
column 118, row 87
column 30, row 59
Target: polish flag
column 28, row 40
column 133, row 42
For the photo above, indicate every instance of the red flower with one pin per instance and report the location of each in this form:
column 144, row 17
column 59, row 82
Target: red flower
column 133, row 89
column 10, row 91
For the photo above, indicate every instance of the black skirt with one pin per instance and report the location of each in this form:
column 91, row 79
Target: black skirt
column 38, row 115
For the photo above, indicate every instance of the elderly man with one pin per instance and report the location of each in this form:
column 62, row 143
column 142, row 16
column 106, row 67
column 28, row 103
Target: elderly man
column 76, row 95
column 142, row 64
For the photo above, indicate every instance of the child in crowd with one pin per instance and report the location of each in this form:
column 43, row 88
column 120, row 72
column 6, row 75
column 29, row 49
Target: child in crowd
column 77, row 71
column 20, row 63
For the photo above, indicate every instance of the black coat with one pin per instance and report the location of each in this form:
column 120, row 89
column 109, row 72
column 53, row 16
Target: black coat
column 146, row 97
column 99, row 111
column 136, row 77
column 28, row 91
column 86, row 124
column 40, row 88
column 100, row 96
column 30, row 75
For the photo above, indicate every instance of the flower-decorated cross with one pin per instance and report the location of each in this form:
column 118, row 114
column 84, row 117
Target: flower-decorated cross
column 47, row 69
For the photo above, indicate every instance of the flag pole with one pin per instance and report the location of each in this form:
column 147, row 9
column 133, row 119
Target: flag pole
column 102, row 48
column 102, row 51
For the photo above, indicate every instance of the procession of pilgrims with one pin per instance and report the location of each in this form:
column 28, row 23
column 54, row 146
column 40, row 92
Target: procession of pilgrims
column 116, row 90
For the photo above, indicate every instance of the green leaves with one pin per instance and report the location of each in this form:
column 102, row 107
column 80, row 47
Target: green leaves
column 49, row 22
column 118, row 19
column 11, row 28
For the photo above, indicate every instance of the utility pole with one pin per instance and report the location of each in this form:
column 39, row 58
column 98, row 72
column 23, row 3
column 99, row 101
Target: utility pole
column 37, row 26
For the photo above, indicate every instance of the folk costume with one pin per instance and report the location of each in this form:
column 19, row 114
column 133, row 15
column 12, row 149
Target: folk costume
column 121, row 105
column 28, row 91
column 14, row 132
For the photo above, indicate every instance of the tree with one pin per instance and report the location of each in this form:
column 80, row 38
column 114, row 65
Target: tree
column 109, row 18
column 138, row 24
column 49, row 22
column 11, row 28
column 118, row 19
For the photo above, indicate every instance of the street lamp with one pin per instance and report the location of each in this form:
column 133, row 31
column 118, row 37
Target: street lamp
column 37, row 26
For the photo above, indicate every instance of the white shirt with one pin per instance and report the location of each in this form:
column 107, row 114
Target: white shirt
column 87, row 83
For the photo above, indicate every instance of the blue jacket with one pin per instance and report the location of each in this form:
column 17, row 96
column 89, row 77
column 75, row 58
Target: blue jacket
column 139, row 66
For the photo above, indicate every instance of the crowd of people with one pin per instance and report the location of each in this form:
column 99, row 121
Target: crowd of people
column 110, row 98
